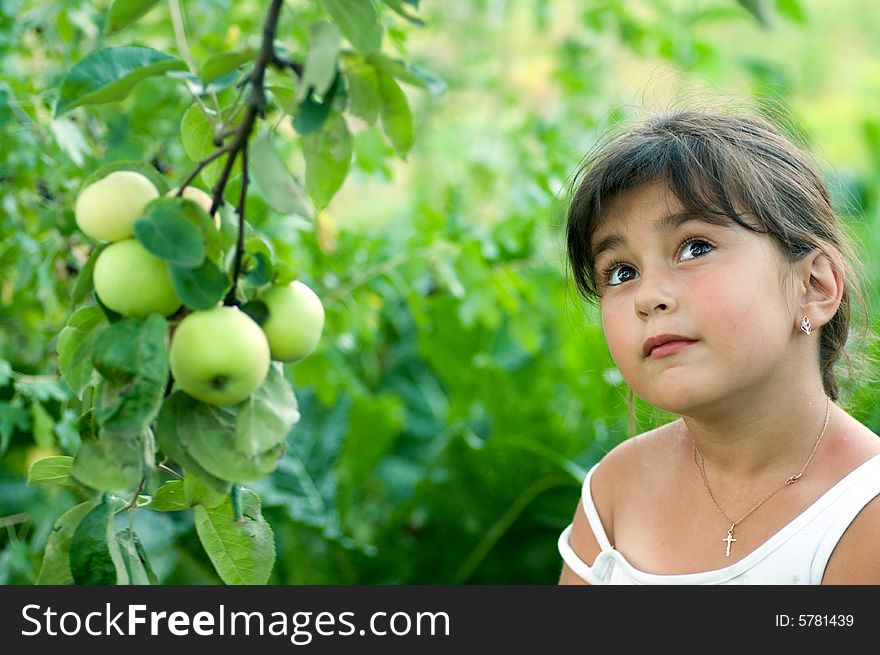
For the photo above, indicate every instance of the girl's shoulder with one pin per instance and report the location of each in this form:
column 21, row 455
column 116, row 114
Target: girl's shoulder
column 627, row 464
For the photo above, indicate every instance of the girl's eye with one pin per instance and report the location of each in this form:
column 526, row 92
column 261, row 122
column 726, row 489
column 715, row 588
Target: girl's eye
column 615, row 274
column 618, row 272
column 695, row 247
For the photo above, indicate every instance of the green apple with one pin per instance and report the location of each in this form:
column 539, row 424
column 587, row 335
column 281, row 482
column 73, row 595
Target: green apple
column 132, row 281
column 296, row 318
column 107, row 209
column 202, row 198
column 219, row 356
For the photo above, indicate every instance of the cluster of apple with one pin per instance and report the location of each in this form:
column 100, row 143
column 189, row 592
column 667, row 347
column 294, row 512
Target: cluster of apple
column 220, row 355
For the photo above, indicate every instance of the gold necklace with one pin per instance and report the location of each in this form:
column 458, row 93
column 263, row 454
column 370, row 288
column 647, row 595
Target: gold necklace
column 794, row 478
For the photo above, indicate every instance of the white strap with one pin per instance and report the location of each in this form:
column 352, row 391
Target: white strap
column 865, row 486
column 574, row 562
column 592, row 514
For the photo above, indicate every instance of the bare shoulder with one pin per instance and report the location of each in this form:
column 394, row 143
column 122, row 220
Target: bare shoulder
column 854, row 559
column 612, row 477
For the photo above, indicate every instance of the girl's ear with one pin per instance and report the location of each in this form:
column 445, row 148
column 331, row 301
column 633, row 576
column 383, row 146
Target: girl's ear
column 821, row 279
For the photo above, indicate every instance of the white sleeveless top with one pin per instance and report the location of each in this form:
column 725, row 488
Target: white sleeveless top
column 797, row 554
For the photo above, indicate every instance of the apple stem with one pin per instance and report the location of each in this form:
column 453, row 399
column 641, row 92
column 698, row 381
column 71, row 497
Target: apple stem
column 235, row 498
column 231, row 298
column 256, row 108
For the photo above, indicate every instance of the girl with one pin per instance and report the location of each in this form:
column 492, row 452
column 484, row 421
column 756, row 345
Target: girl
column 709, row 242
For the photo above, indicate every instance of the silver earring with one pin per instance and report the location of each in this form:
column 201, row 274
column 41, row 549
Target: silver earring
column 806, row 328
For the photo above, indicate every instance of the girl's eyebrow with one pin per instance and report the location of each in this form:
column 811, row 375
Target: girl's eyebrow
column 663, row 225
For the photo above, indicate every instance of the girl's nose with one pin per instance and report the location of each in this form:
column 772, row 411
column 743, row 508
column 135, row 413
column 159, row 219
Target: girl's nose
column 655, row 294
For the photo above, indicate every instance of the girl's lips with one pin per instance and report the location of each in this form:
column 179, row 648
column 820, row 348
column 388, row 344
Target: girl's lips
column 669, row 348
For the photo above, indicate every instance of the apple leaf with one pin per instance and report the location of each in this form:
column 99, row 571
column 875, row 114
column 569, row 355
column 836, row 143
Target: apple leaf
column 95, row 557
column 93, row 468
column 109, row 74
column 319, row 70
column 169, row 437
column 397, row 120
column 167, row 233
column 234, row 444
column 134, row 348
column 134, row 559
column 55, row 569
column 218, row 65
column 358, row 20
column 363, row 91
column 75, row 345
column 242, row 551
column 265, row 418
column 282, row 191
column 312, row 113
column 84, row 279
column 199, row 288
column 328, row 155
column 170, row 497
column 410, row 74
column 197, row 135
column 52, row 470
column 124, row 12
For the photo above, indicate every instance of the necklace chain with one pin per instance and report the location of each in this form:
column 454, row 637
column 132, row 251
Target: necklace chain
column 789, row 481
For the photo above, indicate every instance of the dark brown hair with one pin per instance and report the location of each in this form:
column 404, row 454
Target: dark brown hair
column 717, row 163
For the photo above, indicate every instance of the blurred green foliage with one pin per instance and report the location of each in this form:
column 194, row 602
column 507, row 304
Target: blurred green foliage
column 461, row 389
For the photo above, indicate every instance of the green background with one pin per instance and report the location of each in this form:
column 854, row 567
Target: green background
column 461, row 388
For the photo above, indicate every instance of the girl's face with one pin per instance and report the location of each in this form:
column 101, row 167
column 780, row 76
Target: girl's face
column 720, row 286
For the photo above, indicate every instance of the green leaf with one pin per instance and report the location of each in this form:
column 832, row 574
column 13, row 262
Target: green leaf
column 93, row 468
column 236, row 443
column 312, row 113
column 132, row 356
column 84, row 279
column 12, row 417
column 319, row 70
column 95, row 557
column 134, row 348
column 375, row 423
column 52, row 470
column 285, row 98
column 134, row 559
column 198, row 491
column 328, row 155
column 108, row 75
column 399, row 9
column 124, row 12
column 55, row 569
column 281, row 190
column 165, row 231
column 197, row 135
column 170, row 497
column 199, row 288
column 168, row 436
column 411, row 74
column 41, row 426
column 397, row 120
column 218, row 65
column 358, row 20
column 265, row 418
column 363, row 91
column 75, row 345
column 260, row 272
column 243, row 551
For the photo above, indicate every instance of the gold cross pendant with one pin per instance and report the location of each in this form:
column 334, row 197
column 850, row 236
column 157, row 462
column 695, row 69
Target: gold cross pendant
column 729, row 539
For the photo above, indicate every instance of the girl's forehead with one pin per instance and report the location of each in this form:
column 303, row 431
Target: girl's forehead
column 649, row 206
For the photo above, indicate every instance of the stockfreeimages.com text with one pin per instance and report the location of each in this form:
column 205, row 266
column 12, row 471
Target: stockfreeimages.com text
column 137, row 620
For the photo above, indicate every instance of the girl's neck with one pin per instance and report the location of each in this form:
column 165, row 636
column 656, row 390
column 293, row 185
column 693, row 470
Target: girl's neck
column 764, row 436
